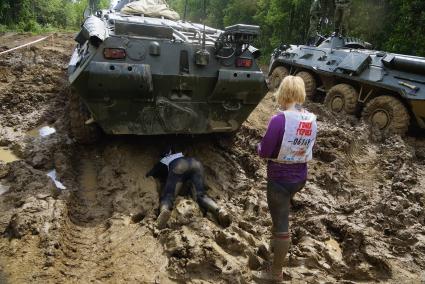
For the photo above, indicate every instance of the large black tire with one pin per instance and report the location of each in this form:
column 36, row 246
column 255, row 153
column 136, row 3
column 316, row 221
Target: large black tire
column 388, row 114
column 309, row 82
column 342, row 98
column 82, row 133
column 277, row 76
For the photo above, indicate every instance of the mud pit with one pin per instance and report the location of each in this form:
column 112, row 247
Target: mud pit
column 360, row 218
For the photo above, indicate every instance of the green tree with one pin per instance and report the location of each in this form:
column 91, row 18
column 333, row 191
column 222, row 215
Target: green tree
column 282, row 21
column 240, row 11
column 407, row 34
column 33, row 15
column 391, row 25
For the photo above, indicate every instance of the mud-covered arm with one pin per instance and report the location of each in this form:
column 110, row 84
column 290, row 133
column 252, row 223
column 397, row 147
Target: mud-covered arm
column 158, row 171
column 270, row 144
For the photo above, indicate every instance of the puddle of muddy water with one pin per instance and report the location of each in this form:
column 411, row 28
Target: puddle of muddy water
column 41, row 131
column 334, row 249
column 7, row 155
column 88, row 179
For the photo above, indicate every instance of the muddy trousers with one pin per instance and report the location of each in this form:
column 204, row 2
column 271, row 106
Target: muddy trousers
column 182, row 171
column 279, row 198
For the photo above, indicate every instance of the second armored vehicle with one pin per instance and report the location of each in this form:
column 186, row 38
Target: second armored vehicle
column 386, row 89
column 139, row 70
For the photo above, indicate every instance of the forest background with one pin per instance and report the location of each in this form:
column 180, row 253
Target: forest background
column 391, row 25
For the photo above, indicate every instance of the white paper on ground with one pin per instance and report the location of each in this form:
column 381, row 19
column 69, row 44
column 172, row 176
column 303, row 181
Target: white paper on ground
column 52, row 175
column 3, row 189
column 46, row 131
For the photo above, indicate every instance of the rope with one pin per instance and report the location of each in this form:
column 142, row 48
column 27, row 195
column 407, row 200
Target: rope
column 24, row 45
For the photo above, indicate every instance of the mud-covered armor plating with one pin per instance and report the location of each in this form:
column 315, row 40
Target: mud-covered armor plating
column 386, row 89
column 146, row 76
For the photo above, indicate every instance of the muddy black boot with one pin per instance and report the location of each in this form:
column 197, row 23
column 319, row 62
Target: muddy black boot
column 223, row 218
column 163, row 217
column 208, row 204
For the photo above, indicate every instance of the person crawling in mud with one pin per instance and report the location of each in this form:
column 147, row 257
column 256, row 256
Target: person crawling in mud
column 175, row 170
column 288, row 146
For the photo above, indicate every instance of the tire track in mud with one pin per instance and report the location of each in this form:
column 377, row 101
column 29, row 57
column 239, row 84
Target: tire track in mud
column 109, row 236
column 363, row 165
column 137, row 252
column 86, row 254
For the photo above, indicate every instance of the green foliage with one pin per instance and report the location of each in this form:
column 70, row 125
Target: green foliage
column 392, row 25
column 292, row 18
column 407, row 34
column 38, row 16
column 240, row 11
column 216, row 13
column 194, row 11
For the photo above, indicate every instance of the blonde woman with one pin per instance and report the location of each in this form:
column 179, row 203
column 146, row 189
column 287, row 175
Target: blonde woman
column 288, row 146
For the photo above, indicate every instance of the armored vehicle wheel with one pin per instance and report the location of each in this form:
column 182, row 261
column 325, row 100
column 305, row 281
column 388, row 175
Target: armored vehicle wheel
column 83, row 133
column 278, row 74
column 388, row 114
column 342, row 98
column 309, row 82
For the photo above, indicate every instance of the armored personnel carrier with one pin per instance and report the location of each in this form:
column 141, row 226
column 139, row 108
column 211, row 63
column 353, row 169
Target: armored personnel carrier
column 137, row 69
column 386, row 89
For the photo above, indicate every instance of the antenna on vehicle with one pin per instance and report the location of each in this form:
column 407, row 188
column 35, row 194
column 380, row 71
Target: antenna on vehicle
column 203, row 33
column 202, row 56
column 92, row 5
column 185, row 11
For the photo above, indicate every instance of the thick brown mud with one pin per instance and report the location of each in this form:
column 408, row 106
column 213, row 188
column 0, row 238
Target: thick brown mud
column 360, row 218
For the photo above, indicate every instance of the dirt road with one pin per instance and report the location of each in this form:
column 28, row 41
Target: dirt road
column 361, row 217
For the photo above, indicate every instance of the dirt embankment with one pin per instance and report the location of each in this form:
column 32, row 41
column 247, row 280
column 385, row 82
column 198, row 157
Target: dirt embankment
column 360, row 218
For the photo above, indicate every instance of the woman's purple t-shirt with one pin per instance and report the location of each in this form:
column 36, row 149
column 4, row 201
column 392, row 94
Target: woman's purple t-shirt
column 269, row 149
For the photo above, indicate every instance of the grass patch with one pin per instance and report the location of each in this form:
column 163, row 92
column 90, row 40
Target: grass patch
column 34, row 28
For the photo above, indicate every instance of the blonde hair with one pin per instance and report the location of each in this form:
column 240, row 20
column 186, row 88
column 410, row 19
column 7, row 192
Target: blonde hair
column 291, row 90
